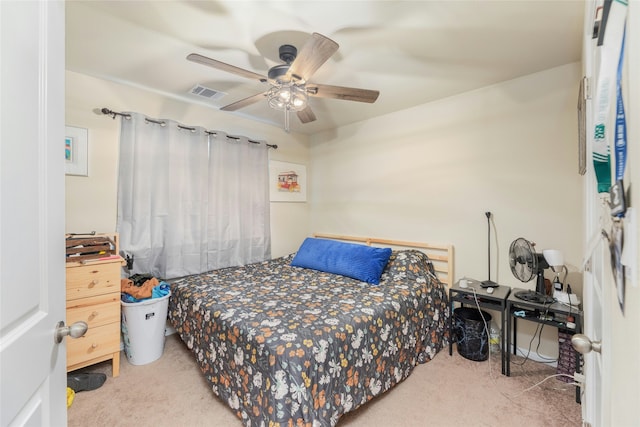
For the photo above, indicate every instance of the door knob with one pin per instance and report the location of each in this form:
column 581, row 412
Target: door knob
column 582, row 344
column 76, row 330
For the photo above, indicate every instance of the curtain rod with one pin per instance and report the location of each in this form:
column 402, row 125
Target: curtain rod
column 113, row 114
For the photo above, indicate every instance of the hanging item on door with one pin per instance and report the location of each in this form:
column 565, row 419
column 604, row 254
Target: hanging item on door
column 617, row 191
column 616, row 243
column 610, row 39
column 614, row 39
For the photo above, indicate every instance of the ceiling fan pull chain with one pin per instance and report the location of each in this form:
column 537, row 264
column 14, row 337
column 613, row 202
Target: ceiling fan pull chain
column 286, row 120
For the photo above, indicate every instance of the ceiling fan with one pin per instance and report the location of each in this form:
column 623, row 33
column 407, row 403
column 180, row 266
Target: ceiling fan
column 290, row 87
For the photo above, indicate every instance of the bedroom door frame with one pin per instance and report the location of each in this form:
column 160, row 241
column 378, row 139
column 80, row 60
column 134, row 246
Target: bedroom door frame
column 596, row 317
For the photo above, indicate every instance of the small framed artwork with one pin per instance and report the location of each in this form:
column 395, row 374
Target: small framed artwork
column 75, row 151
column 287, row 182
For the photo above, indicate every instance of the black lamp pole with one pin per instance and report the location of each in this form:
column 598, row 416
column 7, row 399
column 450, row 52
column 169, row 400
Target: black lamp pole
column 488, row 283
column 488, row 214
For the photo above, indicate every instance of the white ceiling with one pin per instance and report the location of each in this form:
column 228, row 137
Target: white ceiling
column 413, row 52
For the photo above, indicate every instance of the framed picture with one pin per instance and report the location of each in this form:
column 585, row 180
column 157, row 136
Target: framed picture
column 287, row 182
column 75, row 151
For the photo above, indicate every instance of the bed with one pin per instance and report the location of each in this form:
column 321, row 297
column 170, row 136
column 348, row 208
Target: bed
column 288, row 345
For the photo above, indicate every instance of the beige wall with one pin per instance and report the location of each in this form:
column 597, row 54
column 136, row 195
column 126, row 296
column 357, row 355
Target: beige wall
column 91, row 202
column 431, row 172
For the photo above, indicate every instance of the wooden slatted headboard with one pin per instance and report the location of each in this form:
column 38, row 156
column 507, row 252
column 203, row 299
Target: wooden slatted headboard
column 440, row 255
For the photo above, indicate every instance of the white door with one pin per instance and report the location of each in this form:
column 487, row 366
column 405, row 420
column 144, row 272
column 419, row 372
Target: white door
column 611, row 384
column 32, row 291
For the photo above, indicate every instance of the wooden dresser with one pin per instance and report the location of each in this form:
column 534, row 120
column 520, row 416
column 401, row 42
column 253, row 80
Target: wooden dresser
column 93, row 296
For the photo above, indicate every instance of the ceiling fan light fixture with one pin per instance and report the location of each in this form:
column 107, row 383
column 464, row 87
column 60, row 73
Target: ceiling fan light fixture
column 288, row 97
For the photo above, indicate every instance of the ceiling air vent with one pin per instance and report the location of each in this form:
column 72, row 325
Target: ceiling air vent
column 207, row 93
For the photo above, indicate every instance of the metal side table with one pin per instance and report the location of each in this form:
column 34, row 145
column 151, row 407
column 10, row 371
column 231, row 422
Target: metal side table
column 493, row 301
column 554, row 314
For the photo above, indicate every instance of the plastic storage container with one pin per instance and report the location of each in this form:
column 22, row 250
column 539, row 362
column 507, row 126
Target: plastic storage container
column 494, row 341
column 143, row 329
column 470, row 333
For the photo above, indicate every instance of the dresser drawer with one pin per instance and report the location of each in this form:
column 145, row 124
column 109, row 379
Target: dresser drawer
column 97, row 342
column 95, row 311
column 92, row 280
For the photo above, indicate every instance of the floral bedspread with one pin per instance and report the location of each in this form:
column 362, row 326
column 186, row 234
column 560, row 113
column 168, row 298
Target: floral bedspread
column 291, row 346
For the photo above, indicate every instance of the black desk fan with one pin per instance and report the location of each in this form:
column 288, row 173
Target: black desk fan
column 526, row 264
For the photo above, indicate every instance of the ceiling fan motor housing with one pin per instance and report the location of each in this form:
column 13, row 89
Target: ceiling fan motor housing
column 278, row 74
column 288, row 53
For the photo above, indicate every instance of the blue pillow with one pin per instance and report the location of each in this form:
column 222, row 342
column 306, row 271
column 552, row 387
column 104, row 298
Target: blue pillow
column 347, row 259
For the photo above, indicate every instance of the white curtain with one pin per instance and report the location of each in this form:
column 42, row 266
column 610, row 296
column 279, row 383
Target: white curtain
column 238, row 222
column 190, row 202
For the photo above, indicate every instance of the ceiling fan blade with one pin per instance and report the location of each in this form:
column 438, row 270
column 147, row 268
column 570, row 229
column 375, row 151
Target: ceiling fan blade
column 194, row 57
column 306, row 115
column 313, row 54
column 244, row 102
column 345, row 93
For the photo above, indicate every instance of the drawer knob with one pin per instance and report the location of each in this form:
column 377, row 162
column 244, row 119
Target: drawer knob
column 94, row 282
column 93, row 315
column 94, row 345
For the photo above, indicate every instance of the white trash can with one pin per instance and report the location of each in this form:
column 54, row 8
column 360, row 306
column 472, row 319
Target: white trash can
column 143, row 329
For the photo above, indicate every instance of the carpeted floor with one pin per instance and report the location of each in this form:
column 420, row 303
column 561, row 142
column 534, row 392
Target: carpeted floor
column 448, row 391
